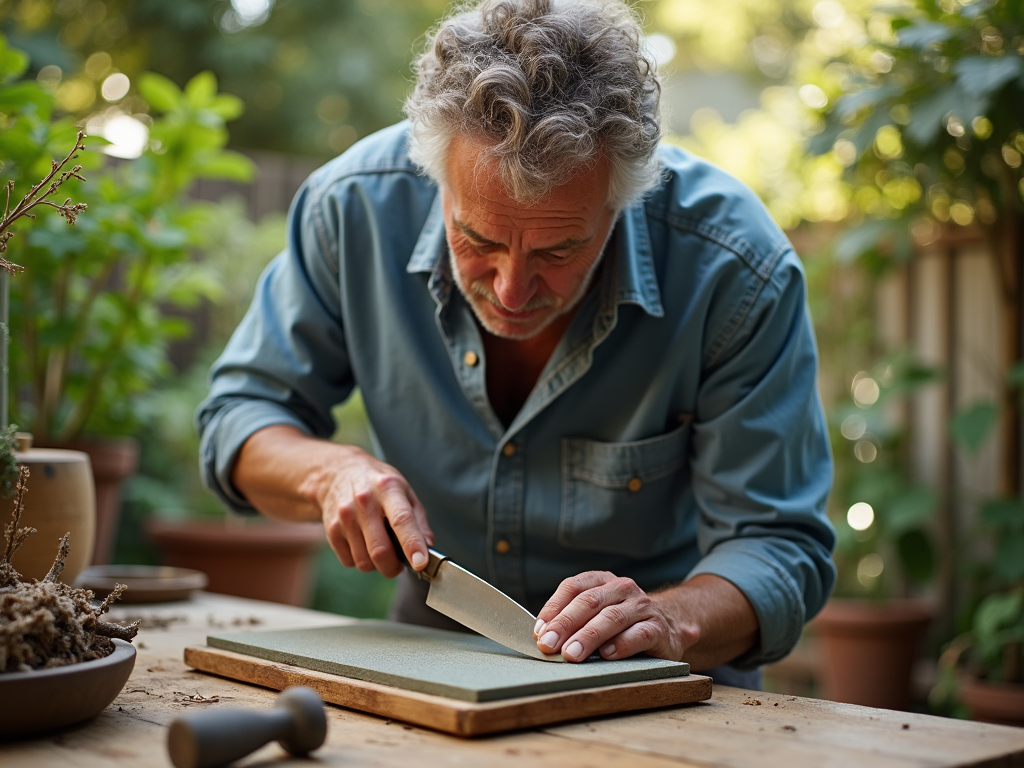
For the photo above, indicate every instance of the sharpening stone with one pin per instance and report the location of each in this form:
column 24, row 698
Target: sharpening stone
column 435, row 661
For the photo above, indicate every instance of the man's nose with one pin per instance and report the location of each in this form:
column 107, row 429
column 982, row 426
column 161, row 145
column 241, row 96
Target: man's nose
column 514, row 283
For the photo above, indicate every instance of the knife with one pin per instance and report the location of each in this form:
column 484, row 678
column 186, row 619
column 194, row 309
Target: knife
column 474, row 603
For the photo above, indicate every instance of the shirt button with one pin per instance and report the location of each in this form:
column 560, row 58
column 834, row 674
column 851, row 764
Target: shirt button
column 470, row 358
column 509, row 449
column 502, row 547
column 635, row 484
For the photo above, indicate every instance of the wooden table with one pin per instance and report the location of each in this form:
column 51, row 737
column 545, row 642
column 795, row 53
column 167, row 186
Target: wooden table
column 736, row 728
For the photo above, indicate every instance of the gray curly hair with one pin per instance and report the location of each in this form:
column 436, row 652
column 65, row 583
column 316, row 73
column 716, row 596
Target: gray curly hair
column 549, row 85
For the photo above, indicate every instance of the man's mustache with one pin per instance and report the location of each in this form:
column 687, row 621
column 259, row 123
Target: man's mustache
column 479, row 288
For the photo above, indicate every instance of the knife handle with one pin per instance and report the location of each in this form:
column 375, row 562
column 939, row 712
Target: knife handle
column 433, row 563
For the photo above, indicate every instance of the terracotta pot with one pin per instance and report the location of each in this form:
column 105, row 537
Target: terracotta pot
column 113, row 460
column 59, row 499
column 868, row 650
column 1001, row 703
column 267, row 561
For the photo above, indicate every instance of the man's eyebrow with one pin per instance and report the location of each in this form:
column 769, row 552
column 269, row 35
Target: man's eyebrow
column 562, row 245
column 472, row 234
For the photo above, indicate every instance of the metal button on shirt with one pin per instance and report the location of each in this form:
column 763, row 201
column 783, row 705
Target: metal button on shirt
column 509, row 449
column 471, row 358
column 502, row 547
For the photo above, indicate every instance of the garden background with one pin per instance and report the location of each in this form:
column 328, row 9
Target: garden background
column 886, row 141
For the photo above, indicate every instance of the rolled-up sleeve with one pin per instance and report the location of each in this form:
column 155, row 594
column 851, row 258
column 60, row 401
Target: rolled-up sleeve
column 762, row 467
column 286, row 363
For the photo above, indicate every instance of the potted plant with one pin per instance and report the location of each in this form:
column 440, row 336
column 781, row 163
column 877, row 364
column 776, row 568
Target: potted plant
column 62, row 502
column 885, row 553
column 167, row 505
column 981, row 671
column 927, row 120
column 94, row 319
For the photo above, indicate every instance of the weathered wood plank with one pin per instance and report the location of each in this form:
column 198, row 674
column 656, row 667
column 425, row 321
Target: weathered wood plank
column 785, row 731
column 461, row 718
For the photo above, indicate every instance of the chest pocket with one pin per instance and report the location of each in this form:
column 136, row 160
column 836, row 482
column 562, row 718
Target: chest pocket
column 624, row 498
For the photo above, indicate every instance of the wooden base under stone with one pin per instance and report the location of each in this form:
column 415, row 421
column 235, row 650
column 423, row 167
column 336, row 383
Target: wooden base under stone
column 461, row 718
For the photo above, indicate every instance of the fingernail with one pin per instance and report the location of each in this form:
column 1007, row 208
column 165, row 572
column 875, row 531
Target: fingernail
column 418, row 560
column 608, row 651
column 550, row 640
column 575, row 649
column 538, row 628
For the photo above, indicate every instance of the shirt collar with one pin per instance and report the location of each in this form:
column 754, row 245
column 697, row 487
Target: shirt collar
column 635, row 280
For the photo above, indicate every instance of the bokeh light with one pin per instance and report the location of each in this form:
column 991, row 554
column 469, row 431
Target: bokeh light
column 865, row 451
column 866, row 392
column 869, row 569
column 860, row 516
column 115, row 87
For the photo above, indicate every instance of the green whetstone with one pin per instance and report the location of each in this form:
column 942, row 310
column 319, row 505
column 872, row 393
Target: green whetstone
column 451, row 664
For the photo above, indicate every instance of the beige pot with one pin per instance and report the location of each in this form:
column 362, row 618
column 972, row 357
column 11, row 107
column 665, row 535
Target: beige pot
column 113, row 460
column 60, row 498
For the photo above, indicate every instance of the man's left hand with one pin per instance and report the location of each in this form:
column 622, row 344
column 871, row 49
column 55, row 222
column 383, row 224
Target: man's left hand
column 600, row 612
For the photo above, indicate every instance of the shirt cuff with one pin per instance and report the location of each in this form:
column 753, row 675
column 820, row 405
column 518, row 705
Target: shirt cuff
column 223, row 439
column 773, row 593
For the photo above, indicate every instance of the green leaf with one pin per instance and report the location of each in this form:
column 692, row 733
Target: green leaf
column 159, row 92
column 1015, row 375
column 13, row 62
column 866, row 132
column 14, row 98
column 926, row 117
column 1003, row 513
column 970, row 426
column 924, row 34
column 910, row 510
column 917, row 555
column 848, row 106
column 226, row 165
column 227, row 107
column 854, row 242
column 1009, row 559
column 823, row 142
column 987, row 74
column 201, row 89
column 996, row 611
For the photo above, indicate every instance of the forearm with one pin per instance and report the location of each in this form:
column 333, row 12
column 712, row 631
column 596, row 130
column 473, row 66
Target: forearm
column 282, row 471
column 714, row 619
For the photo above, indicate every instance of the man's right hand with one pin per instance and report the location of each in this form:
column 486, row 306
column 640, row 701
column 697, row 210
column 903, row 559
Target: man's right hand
column 288, row 475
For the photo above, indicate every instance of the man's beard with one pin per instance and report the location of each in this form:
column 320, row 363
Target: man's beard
column 479, row 289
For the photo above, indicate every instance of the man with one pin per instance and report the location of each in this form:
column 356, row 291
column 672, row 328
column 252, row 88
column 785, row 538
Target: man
column 586, row 360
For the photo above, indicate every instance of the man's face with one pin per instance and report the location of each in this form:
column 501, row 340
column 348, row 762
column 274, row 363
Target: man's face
column 521, row 267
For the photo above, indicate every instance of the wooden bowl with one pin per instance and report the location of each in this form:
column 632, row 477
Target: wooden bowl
column 146, row 583
column 43, row 700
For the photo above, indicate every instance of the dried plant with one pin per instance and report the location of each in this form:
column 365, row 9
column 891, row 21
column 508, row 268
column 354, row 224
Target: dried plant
column 37, row 196
column 48, row 623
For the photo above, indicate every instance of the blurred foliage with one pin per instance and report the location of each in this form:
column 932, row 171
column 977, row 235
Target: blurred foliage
column 92, row 328
column 928, row 117
column 315, row 75
column 886, row 545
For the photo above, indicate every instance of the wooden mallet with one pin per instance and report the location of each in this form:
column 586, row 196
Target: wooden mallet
column 217, row 737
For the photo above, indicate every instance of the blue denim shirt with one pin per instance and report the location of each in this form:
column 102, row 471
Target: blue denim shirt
column 676, row 429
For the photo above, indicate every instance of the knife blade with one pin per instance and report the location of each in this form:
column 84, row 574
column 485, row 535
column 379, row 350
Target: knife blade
column 474, row 603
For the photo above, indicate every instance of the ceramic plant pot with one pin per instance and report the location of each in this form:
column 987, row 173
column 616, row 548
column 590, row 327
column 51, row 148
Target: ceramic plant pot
column 868, row 650
column 1001, row 703
column 59, row 499
column 44, row 700
column 113, row 460
column 266, row 561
